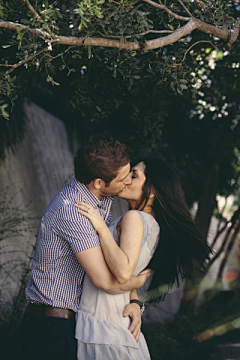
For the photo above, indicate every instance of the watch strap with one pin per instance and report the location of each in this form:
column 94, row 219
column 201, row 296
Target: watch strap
column 141, row 304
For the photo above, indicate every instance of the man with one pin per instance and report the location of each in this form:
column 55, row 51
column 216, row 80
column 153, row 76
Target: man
column 67, row 245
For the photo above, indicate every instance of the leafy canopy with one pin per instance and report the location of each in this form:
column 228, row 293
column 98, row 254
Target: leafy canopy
column 131, row 38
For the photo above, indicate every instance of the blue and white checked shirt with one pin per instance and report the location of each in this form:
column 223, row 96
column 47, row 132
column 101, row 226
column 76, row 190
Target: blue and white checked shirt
column 56, row 273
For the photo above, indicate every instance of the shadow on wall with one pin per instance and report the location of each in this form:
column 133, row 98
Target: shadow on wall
column 30, row 177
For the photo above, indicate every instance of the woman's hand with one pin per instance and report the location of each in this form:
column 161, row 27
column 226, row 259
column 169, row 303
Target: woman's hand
column 92, row 214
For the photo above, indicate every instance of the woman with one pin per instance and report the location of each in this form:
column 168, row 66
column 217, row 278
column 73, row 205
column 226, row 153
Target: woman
column 159, row 228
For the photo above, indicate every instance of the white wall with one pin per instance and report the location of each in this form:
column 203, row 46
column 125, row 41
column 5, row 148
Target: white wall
column 35, row 172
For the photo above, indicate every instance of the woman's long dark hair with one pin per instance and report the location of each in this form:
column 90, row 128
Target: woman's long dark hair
column 181, row 251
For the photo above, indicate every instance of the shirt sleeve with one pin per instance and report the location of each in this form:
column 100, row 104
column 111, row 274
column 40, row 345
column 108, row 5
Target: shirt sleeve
column 75, row 228
column 109, row 219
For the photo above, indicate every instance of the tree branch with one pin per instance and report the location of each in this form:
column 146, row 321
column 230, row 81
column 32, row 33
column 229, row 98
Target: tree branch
column 198, row 42
column 14, row 26
column 228, row 250
column 58, row 55
column 15, row 66
column 234, row 32
column 201, row 3
column 175, row 36
column 31, row 8
column 142, row 34
column 163, row 7
column 187, row 11
column 179, row 33
column 192, row 24
column 88, row 41
column 211, row 29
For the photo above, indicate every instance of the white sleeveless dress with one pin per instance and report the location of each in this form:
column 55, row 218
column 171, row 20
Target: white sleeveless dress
column 101, row 330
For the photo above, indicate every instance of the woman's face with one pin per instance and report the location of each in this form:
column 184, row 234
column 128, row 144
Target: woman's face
column 134, row 191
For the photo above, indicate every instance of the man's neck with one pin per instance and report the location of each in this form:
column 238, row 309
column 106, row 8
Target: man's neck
column 93, row 190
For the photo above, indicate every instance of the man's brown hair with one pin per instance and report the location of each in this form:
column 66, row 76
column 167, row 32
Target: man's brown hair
column 100, row 158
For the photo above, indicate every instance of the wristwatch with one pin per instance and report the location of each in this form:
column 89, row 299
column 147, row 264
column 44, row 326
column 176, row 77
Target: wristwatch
column 141, row 304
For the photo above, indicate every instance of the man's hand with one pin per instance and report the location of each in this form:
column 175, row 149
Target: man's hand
column 133, row 310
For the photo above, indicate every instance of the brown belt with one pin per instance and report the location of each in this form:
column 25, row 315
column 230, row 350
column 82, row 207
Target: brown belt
column 49, row 311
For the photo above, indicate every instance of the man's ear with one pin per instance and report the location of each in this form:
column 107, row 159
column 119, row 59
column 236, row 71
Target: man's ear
column 98, row 183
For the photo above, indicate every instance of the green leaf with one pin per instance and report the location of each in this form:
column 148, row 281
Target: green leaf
column 5, row 114
column 137, row 77
column 122, row 39
column 89, row 52
column 24, row 21
column 183, row 81
column 80, row 26
column 50, row 79
column 225, row 29
column 183, row 86
column 59, row 14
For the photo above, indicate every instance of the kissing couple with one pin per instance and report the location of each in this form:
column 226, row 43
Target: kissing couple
column 86, row 268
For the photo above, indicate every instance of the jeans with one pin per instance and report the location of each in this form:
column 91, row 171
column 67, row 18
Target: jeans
column 48, row 338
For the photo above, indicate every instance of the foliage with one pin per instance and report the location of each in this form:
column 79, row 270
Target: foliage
column 16, row 223
column 174, row 340
column 11, row 317
column 130, row 93
column 127, row 37
column 14, row 219
column 194, row 134
column 12, row 131
column 197, row 334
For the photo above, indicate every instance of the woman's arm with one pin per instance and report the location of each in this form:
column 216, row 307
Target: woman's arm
column 94, row 264
column 121, row 260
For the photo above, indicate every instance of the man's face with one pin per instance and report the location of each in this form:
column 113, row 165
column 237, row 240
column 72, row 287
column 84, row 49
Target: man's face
column 122, row 179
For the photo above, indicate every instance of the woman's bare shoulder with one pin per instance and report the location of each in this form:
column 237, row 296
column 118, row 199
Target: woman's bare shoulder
column 130, row 216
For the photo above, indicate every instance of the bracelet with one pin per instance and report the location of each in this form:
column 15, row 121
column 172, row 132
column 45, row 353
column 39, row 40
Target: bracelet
column 142, row 306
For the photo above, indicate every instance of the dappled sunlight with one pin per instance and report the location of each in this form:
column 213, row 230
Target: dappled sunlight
column 231, row 275
column 218, row 330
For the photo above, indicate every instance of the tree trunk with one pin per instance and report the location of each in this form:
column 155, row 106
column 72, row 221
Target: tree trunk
column 207, row 200
column 203, row 218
